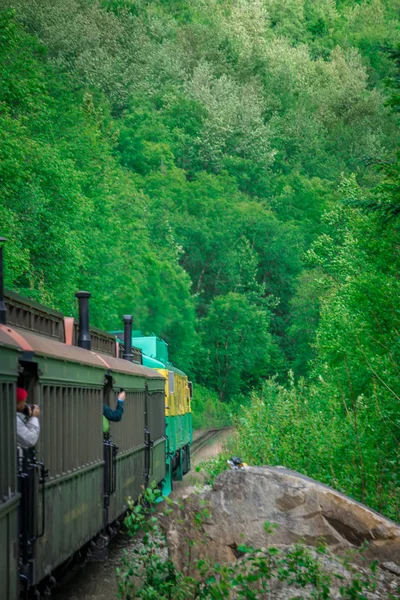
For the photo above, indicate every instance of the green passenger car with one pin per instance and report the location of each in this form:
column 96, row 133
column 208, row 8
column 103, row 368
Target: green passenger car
column 9, row 496
column 74, row 501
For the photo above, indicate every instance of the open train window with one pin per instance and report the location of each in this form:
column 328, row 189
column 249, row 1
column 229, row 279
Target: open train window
column 27, row 379
column 108, row 394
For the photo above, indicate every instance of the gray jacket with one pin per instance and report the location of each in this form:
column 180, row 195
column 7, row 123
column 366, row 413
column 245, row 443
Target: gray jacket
column 28, row 431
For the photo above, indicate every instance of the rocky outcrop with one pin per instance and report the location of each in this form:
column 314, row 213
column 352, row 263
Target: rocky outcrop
column 235, row 510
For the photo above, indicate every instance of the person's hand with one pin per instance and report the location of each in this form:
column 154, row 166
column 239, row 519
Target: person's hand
column 36, row 411
column 121, row 396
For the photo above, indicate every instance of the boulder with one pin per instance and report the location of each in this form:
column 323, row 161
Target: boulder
column 234, row 511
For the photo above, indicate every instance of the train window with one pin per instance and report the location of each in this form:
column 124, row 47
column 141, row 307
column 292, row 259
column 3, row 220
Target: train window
column 171, row 382
column 7, row 441
column 108, row 394
column 129, row 432
column 71, row 433
column 27, row 379
column 190, row 385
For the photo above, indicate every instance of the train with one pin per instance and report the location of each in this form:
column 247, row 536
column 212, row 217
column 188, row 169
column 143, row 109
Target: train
column 178, row 413
column 67, row 496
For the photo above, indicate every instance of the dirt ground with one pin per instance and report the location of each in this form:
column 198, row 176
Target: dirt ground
column 97, row 580
column 209, row 450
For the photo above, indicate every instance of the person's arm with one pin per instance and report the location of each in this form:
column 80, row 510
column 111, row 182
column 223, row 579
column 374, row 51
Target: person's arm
column 114, row 415
column 28, row 432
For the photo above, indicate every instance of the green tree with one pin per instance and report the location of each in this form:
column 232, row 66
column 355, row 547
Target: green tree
column 236, row 343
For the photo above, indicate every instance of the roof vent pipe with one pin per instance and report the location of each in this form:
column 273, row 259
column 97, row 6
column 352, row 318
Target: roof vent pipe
column 3, row 310
column 127, row 355
column 84, row 340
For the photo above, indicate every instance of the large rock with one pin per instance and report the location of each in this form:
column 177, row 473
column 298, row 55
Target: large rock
column 235, row 510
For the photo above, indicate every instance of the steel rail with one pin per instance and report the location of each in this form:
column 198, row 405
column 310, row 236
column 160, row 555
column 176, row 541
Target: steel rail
column 203, row 439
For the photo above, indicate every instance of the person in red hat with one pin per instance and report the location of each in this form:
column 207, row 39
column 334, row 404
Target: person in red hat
column 28, row 425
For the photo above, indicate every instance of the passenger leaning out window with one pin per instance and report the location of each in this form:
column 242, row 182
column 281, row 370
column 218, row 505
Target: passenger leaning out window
column 28, row 425
column 113, row 415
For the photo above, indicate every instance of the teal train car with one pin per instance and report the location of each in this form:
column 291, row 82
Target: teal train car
column 178, row 414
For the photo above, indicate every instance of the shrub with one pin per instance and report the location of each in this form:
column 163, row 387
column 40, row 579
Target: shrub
column 307, row 428
column 209, row 412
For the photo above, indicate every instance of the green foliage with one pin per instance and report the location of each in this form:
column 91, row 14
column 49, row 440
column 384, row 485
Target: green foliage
column 208, row 412
column 64, row 195
column 144, row 562
column 213, row 467
column 187, row 162
column 305, row 308
column 317, row 430
column 384, row 199
column 40, row 185
column 235, row 336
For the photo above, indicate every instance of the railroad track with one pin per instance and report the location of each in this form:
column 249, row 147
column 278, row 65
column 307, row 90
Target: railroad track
column 203, row 439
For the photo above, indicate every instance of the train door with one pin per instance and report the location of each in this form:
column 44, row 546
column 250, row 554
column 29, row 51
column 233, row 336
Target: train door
column 129, row 435
column 155, row 431
column 110, row 451
column 31, row 479
column 9, row 496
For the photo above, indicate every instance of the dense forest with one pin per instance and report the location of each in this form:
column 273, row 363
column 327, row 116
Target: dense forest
column 228, row 172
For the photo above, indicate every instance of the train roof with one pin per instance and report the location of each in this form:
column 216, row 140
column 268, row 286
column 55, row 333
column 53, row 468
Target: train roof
column 152, row 363
column 27, row 314
column 171, row 367
column 6, row 340
column 152, row 343
column 33, row 344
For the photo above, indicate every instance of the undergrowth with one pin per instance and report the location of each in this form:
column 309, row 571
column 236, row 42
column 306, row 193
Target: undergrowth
column 209, row 412
column 147, row 572
column 300, row 428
